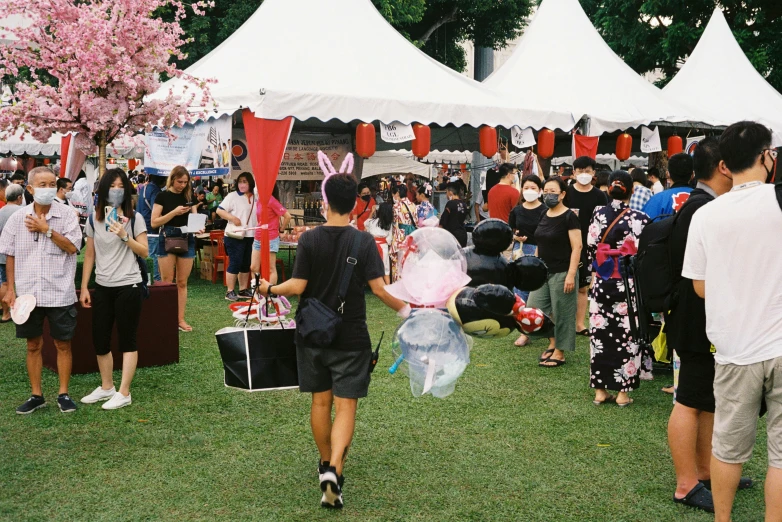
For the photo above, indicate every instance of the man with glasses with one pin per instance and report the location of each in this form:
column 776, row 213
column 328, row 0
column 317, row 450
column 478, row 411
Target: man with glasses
column 732, row 256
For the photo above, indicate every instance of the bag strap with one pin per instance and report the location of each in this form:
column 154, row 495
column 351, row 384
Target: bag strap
column 611, row 226
column 412, row 218
column 144, row 197
column 250, row 215
column 347, row 271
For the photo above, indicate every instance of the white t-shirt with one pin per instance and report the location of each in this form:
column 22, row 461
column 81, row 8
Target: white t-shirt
column 735, row 245
column 657, row 187
column 237, row 205
column 115, row 262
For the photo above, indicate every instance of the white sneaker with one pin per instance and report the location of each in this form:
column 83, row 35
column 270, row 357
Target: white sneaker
column 116, row 402
column 98, row 394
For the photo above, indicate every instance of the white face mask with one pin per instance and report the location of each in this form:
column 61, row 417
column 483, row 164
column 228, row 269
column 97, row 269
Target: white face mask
column 44, row 196
column 584, row 179
column 531, row 195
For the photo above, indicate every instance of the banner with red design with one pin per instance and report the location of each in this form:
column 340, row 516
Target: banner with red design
column 300, row 160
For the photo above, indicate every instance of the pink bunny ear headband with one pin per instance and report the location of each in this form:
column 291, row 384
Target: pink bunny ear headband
column 328, row 170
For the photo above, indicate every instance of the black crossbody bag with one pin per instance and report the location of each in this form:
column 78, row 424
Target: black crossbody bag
column 318, row 324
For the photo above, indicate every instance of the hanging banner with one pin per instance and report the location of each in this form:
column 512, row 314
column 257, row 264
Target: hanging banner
column 692, row 143
column 522, row 139
column 204, row 149
column 396, row 132
column 300, row 160
column 650, row 140
column 585, row 146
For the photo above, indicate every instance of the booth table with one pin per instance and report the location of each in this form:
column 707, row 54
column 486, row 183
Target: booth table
column 158, row 335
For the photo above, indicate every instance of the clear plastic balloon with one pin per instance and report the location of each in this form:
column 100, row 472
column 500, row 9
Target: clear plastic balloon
column 431, row 267
column 433, row 350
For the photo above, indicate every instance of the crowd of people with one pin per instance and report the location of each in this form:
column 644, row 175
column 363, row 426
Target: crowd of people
column 722, row 319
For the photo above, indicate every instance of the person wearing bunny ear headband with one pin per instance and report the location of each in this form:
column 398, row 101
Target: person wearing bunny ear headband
column 337, row 374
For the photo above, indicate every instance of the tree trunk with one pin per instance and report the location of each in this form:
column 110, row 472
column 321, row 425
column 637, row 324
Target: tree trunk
column 101, row 154
column 450, row 16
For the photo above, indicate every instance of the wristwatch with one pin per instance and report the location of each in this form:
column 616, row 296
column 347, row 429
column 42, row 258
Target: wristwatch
column 49, row 232
column 125, row 239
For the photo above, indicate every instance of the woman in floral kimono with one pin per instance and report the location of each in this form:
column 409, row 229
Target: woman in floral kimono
column 616, row 358
column 427, row 214
column 404, row 224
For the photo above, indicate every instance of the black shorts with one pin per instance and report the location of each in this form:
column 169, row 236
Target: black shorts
column 62, row 323
column 342, row 368
column 696, row 381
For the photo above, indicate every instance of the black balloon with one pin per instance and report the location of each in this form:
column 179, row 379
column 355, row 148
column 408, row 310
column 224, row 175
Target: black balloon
column 485, row 264
column 478, row 321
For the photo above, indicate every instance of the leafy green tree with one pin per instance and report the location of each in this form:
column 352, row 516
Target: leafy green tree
column 436, row 26
column 660, row 34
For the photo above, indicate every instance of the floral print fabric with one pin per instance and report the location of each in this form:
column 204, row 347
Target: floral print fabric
column 616, row 359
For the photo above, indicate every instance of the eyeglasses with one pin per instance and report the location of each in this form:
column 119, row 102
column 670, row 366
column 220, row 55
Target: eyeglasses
column 774, row 152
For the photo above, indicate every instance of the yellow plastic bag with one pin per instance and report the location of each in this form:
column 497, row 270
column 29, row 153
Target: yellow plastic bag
column 660, row 345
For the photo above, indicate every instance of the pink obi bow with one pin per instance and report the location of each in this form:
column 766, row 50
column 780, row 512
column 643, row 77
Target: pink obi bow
column 607, row 260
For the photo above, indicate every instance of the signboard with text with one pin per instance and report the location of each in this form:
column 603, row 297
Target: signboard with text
column 300, row 160
column 204, row 148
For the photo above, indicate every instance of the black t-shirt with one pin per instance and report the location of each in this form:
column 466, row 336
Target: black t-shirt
column 686, row 324
column 585, row 202
column 452, row 220
column 552, row 236
column 169, row 201
column 321, row 258
column 524, row 221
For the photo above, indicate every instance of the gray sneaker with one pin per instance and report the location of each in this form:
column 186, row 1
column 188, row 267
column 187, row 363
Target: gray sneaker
column 231, row 296
column 30, row 405
column 247, row 293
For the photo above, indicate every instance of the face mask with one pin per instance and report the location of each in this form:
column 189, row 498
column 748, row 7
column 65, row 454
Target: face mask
column 770, row 171
column 68, row 195
column 584, row 179
column 44, row 196
column 116, row 197
column 366, row 198
column 551, row 200
column 530, row 195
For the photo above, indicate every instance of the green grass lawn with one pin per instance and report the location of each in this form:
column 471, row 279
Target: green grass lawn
column 514, row 442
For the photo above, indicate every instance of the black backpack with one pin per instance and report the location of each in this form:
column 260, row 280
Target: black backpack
column 654, row 272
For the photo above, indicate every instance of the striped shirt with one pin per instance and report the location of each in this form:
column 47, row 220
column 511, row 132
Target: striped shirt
column 41, row 268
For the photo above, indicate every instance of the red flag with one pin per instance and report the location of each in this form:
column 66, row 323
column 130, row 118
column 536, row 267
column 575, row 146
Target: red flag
column 266, row 142
column 585, row 146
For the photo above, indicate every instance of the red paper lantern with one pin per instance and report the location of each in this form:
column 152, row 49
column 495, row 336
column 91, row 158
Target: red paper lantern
column 546, row 138
column 365, row 140
column 463, row 167
column 624, row 146
column 675, row 145
column 46, row 161
column 487, row 137
column 422, row 143
column 131, row 164
column 8, row 164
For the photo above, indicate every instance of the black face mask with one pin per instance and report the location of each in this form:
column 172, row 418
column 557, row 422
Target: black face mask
column 366, row 198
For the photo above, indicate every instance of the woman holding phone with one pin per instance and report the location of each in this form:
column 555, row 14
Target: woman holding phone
column 170, row 212
column 114, row 239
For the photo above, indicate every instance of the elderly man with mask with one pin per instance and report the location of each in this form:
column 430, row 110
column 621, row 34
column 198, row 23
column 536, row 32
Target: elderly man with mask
column 14, row 196
column 41, row 243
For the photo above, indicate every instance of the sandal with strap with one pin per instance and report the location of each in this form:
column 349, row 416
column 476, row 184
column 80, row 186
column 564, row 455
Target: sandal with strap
column 699, row 497
column 611, row 399
column 546, row 355
column 556, row 363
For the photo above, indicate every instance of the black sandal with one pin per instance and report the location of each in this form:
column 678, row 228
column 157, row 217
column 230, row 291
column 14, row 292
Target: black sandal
column 545, row 357
column 584, row 332
column 557, row 363
column 744, row 483
column 699, row 497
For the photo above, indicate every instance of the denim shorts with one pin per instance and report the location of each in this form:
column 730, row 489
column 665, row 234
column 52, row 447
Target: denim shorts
column 3, row 275
column 191, row 242
column 274, row 245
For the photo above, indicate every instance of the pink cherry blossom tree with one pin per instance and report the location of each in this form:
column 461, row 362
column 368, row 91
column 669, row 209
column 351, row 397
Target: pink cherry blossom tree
column 90, row 66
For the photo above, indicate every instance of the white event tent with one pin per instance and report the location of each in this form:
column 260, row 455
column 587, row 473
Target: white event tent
column 21, row 143
column 342, row 60
column 562, row 61
column 394, row 162
column 718, row 79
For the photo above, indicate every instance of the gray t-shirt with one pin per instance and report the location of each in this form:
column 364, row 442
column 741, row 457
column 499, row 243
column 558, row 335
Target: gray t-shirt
column 115, row 262
column 5, row 213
